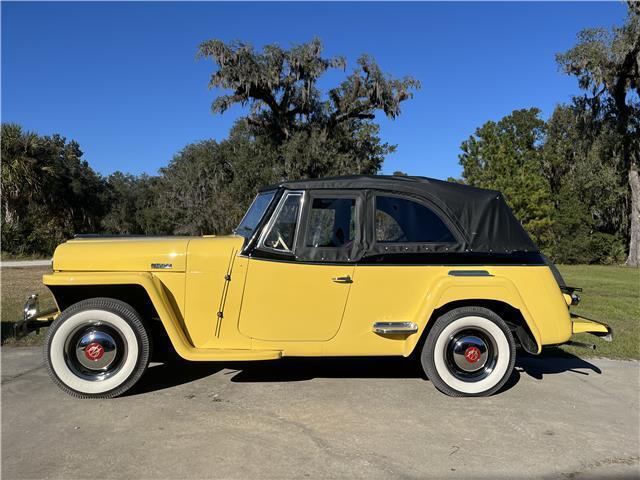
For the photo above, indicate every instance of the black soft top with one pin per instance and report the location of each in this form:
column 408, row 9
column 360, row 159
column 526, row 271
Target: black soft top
column 481, row 216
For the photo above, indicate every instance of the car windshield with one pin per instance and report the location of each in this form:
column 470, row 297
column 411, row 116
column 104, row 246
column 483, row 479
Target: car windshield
column 254, row 214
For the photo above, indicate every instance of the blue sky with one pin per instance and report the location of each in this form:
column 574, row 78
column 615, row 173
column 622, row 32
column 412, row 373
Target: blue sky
column 122, row 78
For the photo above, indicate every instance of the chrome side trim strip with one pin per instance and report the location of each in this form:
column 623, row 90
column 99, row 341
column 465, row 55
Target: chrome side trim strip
column 395, row 327
column 469, row 273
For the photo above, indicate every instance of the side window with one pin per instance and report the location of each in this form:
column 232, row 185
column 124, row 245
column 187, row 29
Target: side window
column 282, row 234
column 399, row 220
column 331, row 222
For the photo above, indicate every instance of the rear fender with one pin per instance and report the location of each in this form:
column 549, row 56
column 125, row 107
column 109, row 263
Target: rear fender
column 449, row 289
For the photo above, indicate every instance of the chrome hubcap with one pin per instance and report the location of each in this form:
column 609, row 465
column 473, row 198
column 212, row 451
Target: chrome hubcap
column 471, row 354
column 95, row 351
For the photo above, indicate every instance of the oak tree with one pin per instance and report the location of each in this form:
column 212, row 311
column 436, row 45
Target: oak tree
column 303, row 123
column 607, row 66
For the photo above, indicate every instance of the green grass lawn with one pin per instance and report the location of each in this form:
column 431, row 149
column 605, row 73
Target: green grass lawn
column 610, row 294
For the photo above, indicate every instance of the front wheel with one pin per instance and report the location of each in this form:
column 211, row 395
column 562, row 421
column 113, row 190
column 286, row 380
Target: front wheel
column 469, row 352
column 97, row 348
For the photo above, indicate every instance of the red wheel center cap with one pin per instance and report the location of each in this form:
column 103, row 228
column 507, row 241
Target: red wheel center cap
column 94, row 351
column 472, row 354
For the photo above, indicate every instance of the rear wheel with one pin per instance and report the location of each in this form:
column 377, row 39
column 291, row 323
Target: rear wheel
column 470, row 351
column 97, row 348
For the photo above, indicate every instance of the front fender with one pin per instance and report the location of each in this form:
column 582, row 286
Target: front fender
column 152, row 287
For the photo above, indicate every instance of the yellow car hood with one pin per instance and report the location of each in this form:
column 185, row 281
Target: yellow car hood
column 124, row 254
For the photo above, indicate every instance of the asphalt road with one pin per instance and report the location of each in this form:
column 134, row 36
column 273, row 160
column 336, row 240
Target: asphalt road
column 322, row 418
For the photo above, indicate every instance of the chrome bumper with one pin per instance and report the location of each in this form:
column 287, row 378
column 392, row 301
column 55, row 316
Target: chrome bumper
column 32, row 318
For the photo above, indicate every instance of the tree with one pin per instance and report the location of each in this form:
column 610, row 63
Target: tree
column 48, row 191
column 20, row 176
column 120, row 193
column 607, row 66
column 131, row 205
column 193, row 195
column 288, row 109
column 590, row 219
column 506, row 156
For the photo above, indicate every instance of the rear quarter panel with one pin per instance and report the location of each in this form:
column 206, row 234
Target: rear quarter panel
column 412, row 293
column 530, row 289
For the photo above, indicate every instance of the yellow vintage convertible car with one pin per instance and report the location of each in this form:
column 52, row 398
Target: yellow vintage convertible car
column 347, row 266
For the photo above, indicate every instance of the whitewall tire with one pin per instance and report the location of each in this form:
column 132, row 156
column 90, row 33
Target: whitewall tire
column 470, row 351
column 97, row 348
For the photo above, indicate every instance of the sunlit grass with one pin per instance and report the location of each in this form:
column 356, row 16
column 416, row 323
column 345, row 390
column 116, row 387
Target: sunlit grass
column 612, row 295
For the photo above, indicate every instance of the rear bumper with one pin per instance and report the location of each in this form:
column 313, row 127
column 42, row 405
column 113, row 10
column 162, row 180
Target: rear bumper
column 586, row 325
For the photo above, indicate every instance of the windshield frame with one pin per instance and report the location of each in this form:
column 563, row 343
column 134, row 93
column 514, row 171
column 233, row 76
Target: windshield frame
column 250, row 233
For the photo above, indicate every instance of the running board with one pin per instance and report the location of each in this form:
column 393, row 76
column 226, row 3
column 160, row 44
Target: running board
column 395, row 328
column 231, row 355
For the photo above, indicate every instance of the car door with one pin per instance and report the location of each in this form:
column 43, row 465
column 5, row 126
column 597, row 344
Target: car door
column 296, row 289
column 391, row 288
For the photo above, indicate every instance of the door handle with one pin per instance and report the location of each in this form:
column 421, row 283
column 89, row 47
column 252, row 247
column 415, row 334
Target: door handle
column 346, row 279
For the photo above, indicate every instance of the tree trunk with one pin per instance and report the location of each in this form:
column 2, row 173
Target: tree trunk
column 633, row 260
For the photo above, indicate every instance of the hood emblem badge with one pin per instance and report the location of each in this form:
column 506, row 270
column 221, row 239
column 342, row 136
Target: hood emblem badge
column 161, row 266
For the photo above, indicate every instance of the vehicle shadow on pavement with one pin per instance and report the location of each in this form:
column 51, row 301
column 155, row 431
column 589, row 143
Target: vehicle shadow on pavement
column 301, row 369
column 304, row 369
column 167, row 375
column 553, row 361
column 172, row 374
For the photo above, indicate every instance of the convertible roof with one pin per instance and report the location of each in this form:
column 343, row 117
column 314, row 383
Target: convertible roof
column 482, row 215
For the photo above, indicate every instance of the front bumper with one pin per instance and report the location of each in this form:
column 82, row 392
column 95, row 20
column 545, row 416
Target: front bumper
column 581, row 324
column 33, row 318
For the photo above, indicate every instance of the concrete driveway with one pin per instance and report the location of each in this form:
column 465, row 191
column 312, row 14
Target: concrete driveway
column 25, row 263
column 314, row 418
